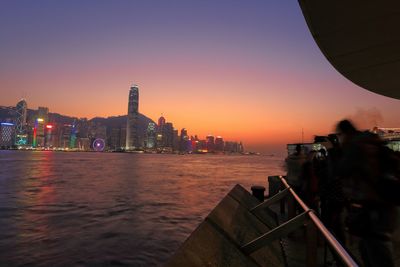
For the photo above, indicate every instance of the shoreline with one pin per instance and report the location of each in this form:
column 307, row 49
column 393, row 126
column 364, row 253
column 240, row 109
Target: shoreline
column 143, row 152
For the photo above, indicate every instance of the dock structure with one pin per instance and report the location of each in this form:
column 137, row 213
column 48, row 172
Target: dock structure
column 220, row 238
column 244, row 231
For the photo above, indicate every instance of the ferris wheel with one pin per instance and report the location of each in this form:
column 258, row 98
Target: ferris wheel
column 99, row 145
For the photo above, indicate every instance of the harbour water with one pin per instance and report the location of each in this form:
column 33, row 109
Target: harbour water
column 100, row 209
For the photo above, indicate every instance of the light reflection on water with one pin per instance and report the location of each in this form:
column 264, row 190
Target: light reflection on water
column 68, row 209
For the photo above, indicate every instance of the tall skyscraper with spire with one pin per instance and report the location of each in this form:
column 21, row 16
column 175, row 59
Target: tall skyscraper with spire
column 132, row 119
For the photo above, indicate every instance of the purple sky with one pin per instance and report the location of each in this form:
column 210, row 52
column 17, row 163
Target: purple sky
column 247, row 70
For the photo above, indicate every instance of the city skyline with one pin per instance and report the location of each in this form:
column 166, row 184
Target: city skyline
column 247, row 71
column 40, row 129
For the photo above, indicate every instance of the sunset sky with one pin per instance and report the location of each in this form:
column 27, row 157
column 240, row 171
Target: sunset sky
column 246, row 70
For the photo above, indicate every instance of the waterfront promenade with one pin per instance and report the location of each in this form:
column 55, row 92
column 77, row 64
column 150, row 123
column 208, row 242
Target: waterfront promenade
column 243, row 231
column 296, row 252
column 300, row 248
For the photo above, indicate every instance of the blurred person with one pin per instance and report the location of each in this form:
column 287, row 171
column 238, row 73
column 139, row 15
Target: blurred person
column 330, row 189
column 294, row 167
column 371, row 216
column 309, row 179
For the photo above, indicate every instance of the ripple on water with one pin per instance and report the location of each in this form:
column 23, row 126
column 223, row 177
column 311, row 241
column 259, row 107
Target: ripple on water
column 101, row 209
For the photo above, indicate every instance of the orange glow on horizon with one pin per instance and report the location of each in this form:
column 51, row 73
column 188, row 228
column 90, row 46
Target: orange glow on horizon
column 254, row 108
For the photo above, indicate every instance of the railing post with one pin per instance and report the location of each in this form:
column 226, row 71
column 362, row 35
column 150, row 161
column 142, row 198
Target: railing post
column 258, row 192
column 283, row 201
column 275, row 186
column 291, row 204
column 311, row 244
column 312, row 236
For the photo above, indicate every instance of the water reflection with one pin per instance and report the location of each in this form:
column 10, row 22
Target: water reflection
column 111, row 209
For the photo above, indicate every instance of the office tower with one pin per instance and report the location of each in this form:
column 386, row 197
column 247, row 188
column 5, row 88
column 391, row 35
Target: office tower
column 151, row 135
column 161, row 122
column 184, row 140
column 132, row 119
column 160, row 136
column 168, row 134
column 66, row 135
column 175, row 142
column 6, row 134
column 42, row 118
column 219, row 144
column 195, row 145
column 165, row 132
column 84, row 144
column 210, row 143
column 21, row 137
column 202, row 145
column 38, row 133
column 72, row 142
column 114, row 140
column 160, row 140
column 43, row 113
column 123, row 136
column 49, row 135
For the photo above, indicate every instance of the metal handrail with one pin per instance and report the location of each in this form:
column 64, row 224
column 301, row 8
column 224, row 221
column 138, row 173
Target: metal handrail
column 336, row 246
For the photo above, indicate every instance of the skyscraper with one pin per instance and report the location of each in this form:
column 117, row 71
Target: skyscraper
column 168, row 134
column 38, row 133
column 43, row 113
column 184, row 140
column 219, row 144
column 133, row 118
column 161, row 121
column 161, row 132
column 151, row 135
column 210, row 143
column 21, row 137
column 42, row 118
column 49, row 136
column 6, row 134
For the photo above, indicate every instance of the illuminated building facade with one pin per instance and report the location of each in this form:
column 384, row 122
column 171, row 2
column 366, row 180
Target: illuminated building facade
column 41, row 120
column 66, row 135
column 6, row 134
column 43, row 113
column 165, row 134
column 72, row 143
column 184, row 138
column 21, row 136
column 160, row 132
column 390, row 135
column 49, row 139
column 202, row 146
column 38, row 133
column 132, row 119
column 151, row 134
